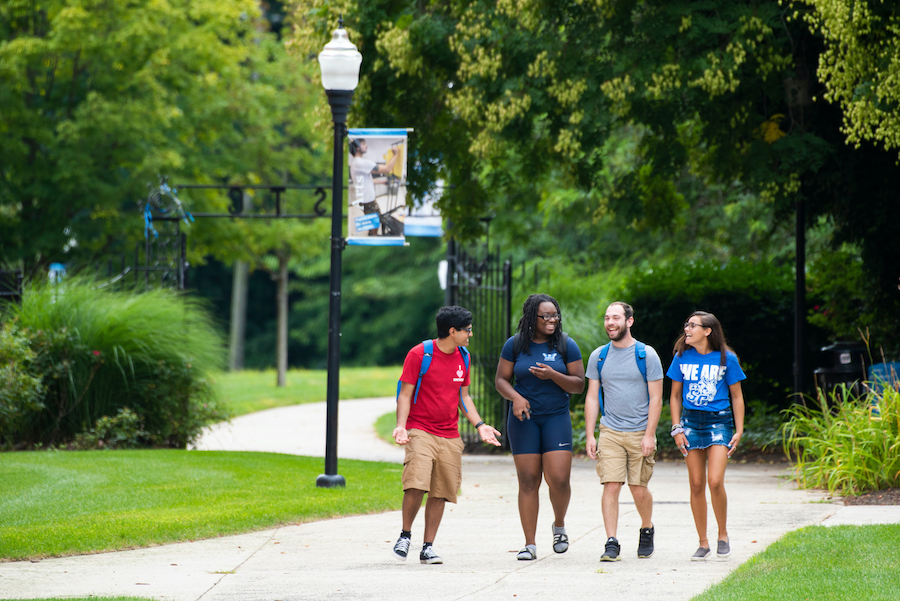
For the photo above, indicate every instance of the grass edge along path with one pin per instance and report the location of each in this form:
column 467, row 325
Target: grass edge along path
column 837, row 563
column 56, row 504
column 248, row 391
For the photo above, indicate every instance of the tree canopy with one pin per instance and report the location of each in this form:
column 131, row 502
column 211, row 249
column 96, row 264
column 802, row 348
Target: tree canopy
column 100, row 97
column 587, row 129
column 860, row 65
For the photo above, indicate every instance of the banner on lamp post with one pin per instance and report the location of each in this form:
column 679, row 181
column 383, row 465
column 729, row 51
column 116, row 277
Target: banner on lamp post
column 376, row 203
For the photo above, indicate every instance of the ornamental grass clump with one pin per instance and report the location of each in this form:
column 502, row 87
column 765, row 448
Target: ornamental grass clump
column 97, row 352
column 849, row 443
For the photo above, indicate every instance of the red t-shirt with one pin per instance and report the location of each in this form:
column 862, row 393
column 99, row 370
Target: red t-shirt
column 437, row 409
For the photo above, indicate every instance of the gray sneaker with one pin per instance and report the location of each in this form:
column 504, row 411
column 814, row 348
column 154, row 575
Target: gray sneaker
column 429, row 556
column 701, row 554
column 612, row 550
column 724, row 549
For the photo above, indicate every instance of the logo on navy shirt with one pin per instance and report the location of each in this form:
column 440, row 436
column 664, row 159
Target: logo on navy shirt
column 548, row 357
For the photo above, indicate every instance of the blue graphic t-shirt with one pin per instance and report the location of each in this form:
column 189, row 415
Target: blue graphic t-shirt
column 546, row 397
column 705, row 381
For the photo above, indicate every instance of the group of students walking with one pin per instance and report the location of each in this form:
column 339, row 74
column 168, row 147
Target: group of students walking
column 539, row 368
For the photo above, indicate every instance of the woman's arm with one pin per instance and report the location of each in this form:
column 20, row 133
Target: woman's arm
column 675, row 409
column 503, row 383
column 737, row 407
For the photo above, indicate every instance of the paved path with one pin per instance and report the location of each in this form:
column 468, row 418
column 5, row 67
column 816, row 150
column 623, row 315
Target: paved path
column 349, row 558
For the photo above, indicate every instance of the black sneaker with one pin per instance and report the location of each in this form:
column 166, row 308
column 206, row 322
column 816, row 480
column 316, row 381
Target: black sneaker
column 612, row 550
column 429, row 556
column 645, row 542
column 401, row 549
column 723, row 550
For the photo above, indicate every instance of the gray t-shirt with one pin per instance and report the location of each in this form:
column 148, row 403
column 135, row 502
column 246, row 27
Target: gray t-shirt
column 626, row 400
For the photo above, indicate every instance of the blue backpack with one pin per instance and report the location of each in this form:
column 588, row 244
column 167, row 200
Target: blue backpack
column 426, row 363
column 640, row 355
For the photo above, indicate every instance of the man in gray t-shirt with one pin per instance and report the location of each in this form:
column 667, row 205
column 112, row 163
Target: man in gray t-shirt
column 631, row 408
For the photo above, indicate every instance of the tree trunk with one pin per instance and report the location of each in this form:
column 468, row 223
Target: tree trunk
column 237, row 333
column 239, row 287
column 282, row 300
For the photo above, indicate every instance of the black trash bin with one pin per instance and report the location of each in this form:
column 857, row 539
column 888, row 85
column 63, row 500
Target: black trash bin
column 841, row 363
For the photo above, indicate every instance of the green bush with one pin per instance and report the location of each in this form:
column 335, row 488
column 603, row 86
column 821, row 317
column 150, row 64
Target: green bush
column 124, row 431
column 98, row 351
column 846, row 442
column 753, row 301
column 20, row 392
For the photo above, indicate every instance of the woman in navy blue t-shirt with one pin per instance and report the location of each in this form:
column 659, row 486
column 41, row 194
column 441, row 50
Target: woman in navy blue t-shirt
column 539, row 426
column 707, row 406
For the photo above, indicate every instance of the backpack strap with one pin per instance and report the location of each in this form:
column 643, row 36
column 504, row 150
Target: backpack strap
column 428, row 348
column 604, row 351
column 640, row 355
column 465, row 355
column 428, row 353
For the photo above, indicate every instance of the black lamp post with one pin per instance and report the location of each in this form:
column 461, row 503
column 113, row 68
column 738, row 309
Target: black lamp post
column 339, row 61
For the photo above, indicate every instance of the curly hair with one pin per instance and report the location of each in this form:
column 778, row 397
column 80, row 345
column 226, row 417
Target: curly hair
column 528, row 322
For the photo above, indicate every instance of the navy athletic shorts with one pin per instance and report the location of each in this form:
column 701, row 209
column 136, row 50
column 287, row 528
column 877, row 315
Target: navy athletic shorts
column 539, row 434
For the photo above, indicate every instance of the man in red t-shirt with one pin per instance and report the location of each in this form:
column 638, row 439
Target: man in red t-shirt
column 429, row 428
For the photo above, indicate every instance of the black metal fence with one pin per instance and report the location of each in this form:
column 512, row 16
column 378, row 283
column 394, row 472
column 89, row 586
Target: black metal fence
column 482, row 283
column 11, row 286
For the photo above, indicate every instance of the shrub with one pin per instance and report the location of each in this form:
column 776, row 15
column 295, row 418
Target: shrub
column 754, row 302
column 97, row 351
column 20, row 392
column 845, row 441
column 124, row 431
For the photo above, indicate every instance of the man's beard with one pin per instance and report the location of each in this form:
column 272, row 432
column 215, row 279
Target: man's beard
column 619, row 336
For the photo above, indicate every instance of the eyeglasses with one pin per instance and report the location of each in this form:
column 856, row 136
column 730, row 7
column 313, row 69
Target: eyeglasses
column 551, row 317
column 690, row 325
column 469, row 330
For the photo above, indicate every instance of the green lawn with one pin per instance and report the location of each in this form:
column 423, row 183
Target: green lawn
column 248, row 391
column 837, row 563
column 63, row 503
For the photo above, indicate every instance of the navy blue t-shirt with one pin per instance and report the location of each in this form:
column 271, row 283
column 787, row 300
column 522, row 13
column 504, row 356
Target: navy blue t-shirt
column 545, row 396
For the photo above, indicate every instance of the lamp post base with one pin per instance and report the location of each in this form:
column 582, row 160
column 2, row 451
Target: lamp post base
column 330, row 481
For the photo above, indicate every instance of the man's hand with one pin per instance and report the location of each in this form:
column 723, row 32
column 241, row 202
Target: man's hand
column 648, row 445
column 489, row 435
column 401, row 436
column 591, row 444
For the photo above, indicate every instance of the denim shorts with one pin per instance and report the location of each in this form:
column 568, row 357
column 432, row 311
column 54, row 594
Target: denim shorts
column 704, row 429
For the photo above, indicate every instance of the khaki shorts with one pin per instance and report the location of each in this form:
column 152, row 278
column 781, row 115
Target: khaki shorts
column 619, row 458
column 433, row 464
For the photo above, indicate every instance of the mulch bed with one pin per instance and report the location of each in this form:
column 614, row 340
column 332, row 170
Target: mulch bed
column 887, row 496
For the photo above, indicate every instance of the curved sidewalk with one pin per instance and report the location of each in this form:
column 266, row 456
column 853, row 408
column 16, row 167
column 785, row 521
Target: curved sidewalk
column 349, row 558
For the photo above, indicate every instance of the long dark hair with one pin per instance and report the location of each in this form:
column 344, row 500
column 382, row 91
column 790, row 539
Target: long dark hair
column 716, row 338
column 528, row 323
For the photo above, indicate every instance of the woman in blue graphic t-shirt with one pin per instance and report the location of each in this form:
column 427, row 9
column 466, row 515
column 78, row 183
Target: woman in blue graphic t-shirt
column 539, row 428
column 707, row 418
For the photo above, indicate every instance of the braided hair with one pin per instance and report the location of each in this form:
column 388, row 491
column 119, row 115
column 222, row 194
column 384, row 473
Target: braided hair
column 528, row 322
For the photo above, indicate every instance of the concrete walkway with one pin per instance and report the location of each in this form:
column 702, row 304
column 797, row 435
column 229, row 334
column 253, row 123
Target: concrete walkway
column 349, row 558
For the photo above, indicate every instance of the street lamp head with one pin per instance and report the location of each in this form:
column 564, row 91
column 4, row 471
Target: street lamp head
column 340, row 61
